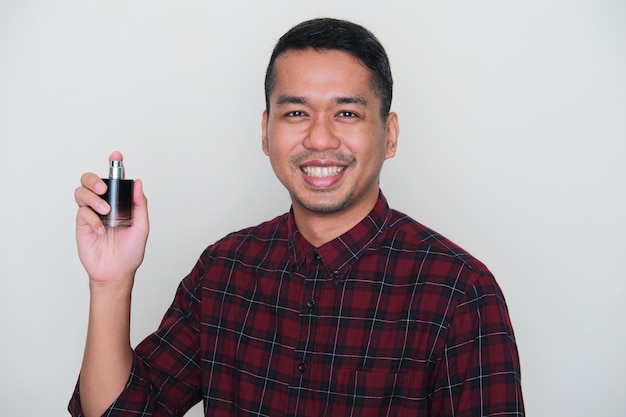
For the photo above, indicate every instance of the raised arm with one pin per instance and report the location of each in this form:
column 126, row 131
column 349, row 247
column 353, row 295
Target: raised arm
column 111, row 257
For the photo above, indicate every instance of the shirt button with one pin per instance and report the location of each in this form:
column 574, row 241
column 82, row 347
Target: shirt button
column 310, row 303
column 302, row 367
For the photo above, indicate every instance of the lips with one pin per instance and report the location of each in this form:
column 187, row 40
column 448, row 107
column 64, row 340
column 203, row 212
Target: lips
column 322, row 171
column 319, row 176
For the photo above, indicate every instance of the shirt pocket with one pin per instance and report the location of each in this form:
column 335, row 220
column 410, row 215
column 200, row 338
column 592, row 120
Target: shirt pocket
column 366, row 393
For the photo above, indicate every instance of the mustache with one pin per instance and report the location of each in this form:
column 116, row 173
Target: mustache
column 344, row 158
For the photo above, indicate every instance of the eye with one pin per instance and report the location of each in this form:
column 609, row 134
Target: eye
column 347, row 114
column 295, row 113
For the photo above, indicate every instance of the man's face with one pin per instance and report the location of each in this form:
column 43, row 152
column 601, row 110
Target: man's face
column 324, row 134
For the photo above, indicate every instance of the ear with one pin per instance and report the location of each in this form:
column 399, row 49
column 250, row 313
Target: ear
column 393, row 131
column 264, row 144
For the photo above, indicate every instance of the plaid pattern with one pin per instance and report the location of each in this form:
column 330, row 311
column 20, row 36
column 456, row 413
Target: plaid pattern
column 390, row 319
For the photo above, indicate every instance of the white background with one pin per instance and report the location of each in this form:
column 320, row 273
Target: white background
column 513, row 140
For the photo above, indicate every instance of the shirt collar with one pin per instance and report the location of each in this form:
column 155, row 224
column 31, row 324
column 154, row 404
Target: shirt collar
column 340, row 254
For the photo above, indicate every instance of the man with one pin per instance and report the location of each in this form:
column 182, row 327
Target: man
column 342, row 306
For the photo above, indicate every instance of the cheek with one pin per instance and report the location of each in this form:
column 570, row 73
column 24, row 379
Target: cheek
column 281, row 167
column 282, row 140
column 278, row 154
column 369, row 145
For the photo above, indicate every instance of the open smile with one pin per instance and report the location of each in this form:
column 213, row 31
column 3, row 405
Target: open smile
column 322, row 172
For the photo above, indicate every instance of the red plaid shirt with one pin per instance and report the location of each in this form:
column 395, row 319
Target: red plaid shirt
column 389, row 319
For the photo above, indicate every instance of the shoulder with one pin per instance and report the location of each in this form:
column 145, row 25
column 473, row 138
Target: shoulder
column 446, row 269
column 251, row 240
column 417, row 235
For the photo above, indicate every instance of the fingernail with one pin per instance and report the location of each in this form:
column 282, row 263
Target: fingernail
column 100, row 230
column 99, row 188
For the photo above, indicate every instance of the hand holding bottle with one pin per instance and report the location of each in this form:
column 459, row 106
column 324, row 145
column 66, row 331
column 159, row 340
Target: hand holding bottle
column 109, row 254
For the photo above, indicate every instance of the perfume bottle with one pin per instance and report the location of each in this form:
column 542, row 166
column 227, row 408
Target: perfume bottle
column 119, row 195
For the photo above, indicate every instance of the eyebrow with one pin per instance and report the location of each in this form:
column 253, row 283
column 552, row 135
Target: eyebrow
column 288, row 99
column 360, row 100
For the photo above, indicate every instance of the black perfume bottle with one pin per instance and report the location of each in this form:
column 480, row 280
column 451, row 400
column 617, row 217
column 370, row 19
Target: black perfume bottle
column 119, row 195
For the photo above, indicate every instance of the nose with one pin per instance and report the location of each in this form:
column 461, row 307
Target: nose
column 321, row 135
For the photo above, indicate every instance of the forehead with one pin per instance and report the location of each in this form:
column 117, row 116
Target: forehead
column 320, row 69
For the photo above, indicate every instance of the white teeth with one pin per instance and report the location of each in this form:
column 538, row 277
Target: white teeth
column 321, row 172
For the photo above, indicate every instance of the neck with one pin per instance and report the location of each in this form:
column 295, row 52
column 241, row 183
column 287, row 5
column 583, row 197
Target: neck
column 320, row 228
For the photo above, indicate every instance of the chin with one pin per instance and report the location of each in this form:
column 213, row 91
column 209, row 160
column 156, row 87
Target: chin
column 323, row 205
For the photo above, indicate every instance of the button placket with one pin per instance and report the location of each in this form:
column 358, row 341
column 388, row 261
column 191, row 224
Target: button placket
column 312, row 272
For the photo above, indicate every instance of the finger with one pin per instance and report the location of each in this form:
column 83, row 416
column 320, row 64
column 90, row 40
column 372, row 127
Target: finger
column 86, row 198
column 89, row 220
column 139, row 197
column 140, row 205
column 93, row 182
column 116, row 156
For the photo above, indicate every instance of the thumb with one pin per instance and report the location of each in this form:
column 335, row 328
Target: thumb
column 140, row 206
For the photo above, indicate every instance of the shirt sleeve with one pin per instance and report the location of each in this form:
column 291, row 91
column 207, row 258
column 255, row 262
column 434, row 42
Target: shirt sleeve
column 135, row 400
column 479, row 371
column 165, row 377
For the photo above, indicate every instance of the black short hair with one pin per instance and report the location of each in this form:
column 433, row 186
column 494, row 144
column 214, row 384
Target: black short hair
column 334, row 34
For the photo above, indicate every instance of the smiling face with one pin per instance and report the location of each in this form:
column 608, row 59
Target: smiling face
column 324, row 133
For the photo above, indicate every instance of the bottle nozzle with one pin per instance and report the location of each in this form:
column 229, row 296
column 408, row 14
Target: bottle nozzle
column 116, row 170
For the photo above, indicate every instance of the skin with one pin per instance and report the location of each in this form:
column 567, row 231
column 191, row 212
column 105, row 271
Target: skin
column 324, row 119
